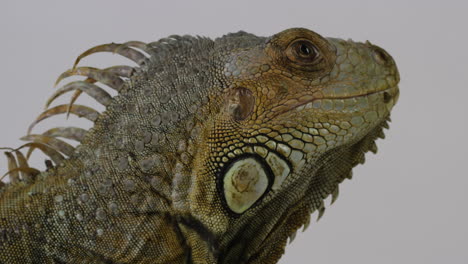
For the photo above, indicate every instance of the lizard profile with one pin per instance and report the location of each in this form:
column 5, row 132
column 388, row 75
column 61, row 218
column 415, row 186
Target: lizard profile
column 214, row 151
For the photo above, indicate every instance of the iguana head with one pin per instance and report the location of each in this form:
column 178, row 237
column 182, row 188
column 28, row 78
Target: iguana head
column 297, row 113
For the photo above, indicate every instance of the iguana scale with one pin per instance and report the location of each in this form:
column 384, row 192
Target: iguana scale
column 213, row 151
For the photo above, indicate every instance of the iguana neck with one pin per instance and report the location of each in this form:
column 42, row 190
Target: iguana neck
column 261, row 238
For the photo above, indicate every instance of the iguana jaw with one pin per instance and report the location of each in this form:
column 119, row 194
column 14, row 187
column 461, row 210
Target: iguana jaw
column 390, row 93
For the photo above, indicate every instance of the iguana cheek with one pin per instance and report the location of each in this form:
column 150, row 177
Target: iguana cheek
column 244, row 183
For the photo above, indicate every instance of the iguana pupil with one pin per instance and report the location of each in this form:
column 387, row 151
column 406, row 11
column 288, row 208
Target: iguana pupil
column 305, row 50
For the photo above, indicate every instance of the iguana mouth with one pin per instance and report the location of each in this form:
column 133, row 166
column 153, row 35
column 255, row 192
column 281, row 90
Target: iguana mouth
column 388, row 95
column 312, row 102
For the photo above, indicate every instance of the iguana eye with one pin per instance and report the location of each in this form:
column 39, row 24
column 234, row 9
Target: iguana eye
column 302, row 52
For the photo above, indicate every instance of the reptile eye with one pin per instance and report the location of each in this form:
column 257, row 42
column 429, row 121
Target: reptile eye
column 302, row 52
column 305, row 50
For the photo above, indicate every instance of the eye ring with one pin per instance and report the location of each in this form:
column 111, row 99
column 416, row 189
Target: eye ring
column 303, row 52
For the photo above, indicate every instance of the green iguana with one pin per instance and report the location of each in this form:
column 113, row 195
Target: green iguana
column 213, row 151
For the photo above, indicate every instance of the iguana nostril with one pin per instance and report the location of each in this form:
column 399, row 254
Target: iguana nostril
column 387, row 97
column 380, row 55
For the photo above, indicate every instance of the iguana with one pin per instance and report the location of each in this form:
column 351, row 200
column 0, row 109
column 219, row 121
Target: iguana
column 213, row 151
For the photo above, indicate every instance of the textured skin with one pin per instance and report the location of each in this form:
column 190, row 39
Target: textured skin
column 147, row 183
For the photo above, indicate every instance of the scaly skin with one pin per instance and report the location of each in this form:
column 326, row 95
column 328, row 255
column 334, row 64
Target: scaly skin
column 213, row 151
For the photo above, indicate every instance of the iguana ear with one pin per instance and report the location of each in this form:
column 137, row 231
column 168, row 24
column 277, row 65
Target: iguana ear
column 240, row 103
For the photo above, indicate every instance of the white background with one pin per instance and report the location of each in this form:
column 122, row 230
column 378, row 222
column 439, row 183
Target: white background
column 408, row 204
